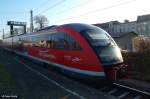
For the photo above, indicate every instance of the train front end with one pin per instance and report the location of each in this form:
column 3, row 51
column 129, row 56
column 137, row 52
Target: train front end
column 107, row 51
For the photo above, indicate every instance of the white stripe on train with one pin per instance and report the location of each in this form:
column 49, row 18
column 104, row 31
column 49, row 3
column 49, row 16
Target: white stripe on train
column 84, row 72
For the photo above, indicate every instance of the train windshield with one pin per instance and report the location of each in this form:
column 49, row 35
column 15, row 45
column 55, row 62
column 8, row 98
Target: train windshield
column 99, row 37
column 104, row 45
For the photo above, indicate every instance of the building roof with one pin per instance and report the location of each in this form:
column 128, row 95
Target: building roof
column 107, row 23
column 143, row 18
column 117, row 35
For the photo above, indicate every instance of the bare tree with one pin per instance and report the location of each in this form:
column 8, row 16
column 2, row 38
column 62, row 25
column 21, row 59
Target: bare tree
column 41, row 21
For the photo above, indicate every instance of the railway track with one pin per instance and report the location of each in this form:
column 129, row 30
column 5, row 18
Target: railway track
column 121, row 91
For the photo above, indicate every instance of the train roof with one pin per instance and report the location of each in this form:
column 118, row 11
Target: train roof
column 46, row 28
column 77, row 26
column 80, row 26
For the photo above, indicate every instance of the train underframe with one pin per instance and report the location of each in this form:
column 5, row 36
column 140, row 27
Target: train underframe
column 117, row 72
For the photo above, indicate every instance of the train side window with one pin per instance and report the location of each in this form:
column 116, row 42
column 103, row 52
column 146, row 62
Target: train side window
column 20, row 39
column 48, row 41
column 57, row 41
column 63, row 41
column 34, row 41
column 72, row 44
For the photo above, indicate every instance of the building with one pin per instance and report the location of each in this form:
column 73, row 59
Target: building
column 125, row 41
column 125, row 27
column 123, row 33
column 117, row 28
column 143, row 25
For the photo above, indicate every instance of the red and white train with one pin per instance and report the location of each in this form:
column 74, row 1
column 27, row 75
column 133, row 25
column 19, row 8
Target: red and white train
column 80, row 50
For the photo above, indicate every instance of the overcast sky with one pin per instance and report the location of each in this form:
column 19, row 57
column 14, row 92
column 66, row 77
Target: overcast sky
column 73, row 11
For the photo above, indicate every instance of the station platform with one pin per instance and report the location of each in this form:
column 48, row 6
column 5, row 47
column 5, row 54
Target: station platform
column 34, row 82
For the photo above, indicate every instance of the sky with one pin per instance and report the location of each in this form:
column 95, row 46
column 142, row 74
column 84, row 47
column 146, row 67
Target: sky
column 72, row 11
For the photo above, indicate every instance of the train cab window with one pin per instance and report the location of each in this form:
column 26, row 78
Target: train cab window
column 98, row 37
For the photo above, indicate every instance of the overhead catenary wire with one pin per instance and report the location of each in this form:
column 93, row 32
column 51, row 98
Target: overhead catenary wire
column 51, row 7
column 41, row 5
column 21, row 13
column 71, row 8
column 14, row 13
column 24, row 12
column 97, row 10
column 36, row 9
column 81, row 15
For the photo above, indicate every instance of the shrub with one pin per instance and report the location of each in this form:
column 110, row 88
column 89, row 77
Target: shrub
column 139, row 63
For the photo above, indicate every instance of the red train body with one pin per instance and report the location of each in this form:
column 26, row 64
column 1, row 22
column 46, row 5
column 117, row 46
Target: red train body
column 80, row 50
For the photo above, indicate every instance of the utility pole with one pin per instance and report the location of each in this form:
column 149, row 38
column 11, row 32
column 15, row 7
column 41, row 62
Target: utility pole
column 3, row 33
column 11, row 30
column 31, row 21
